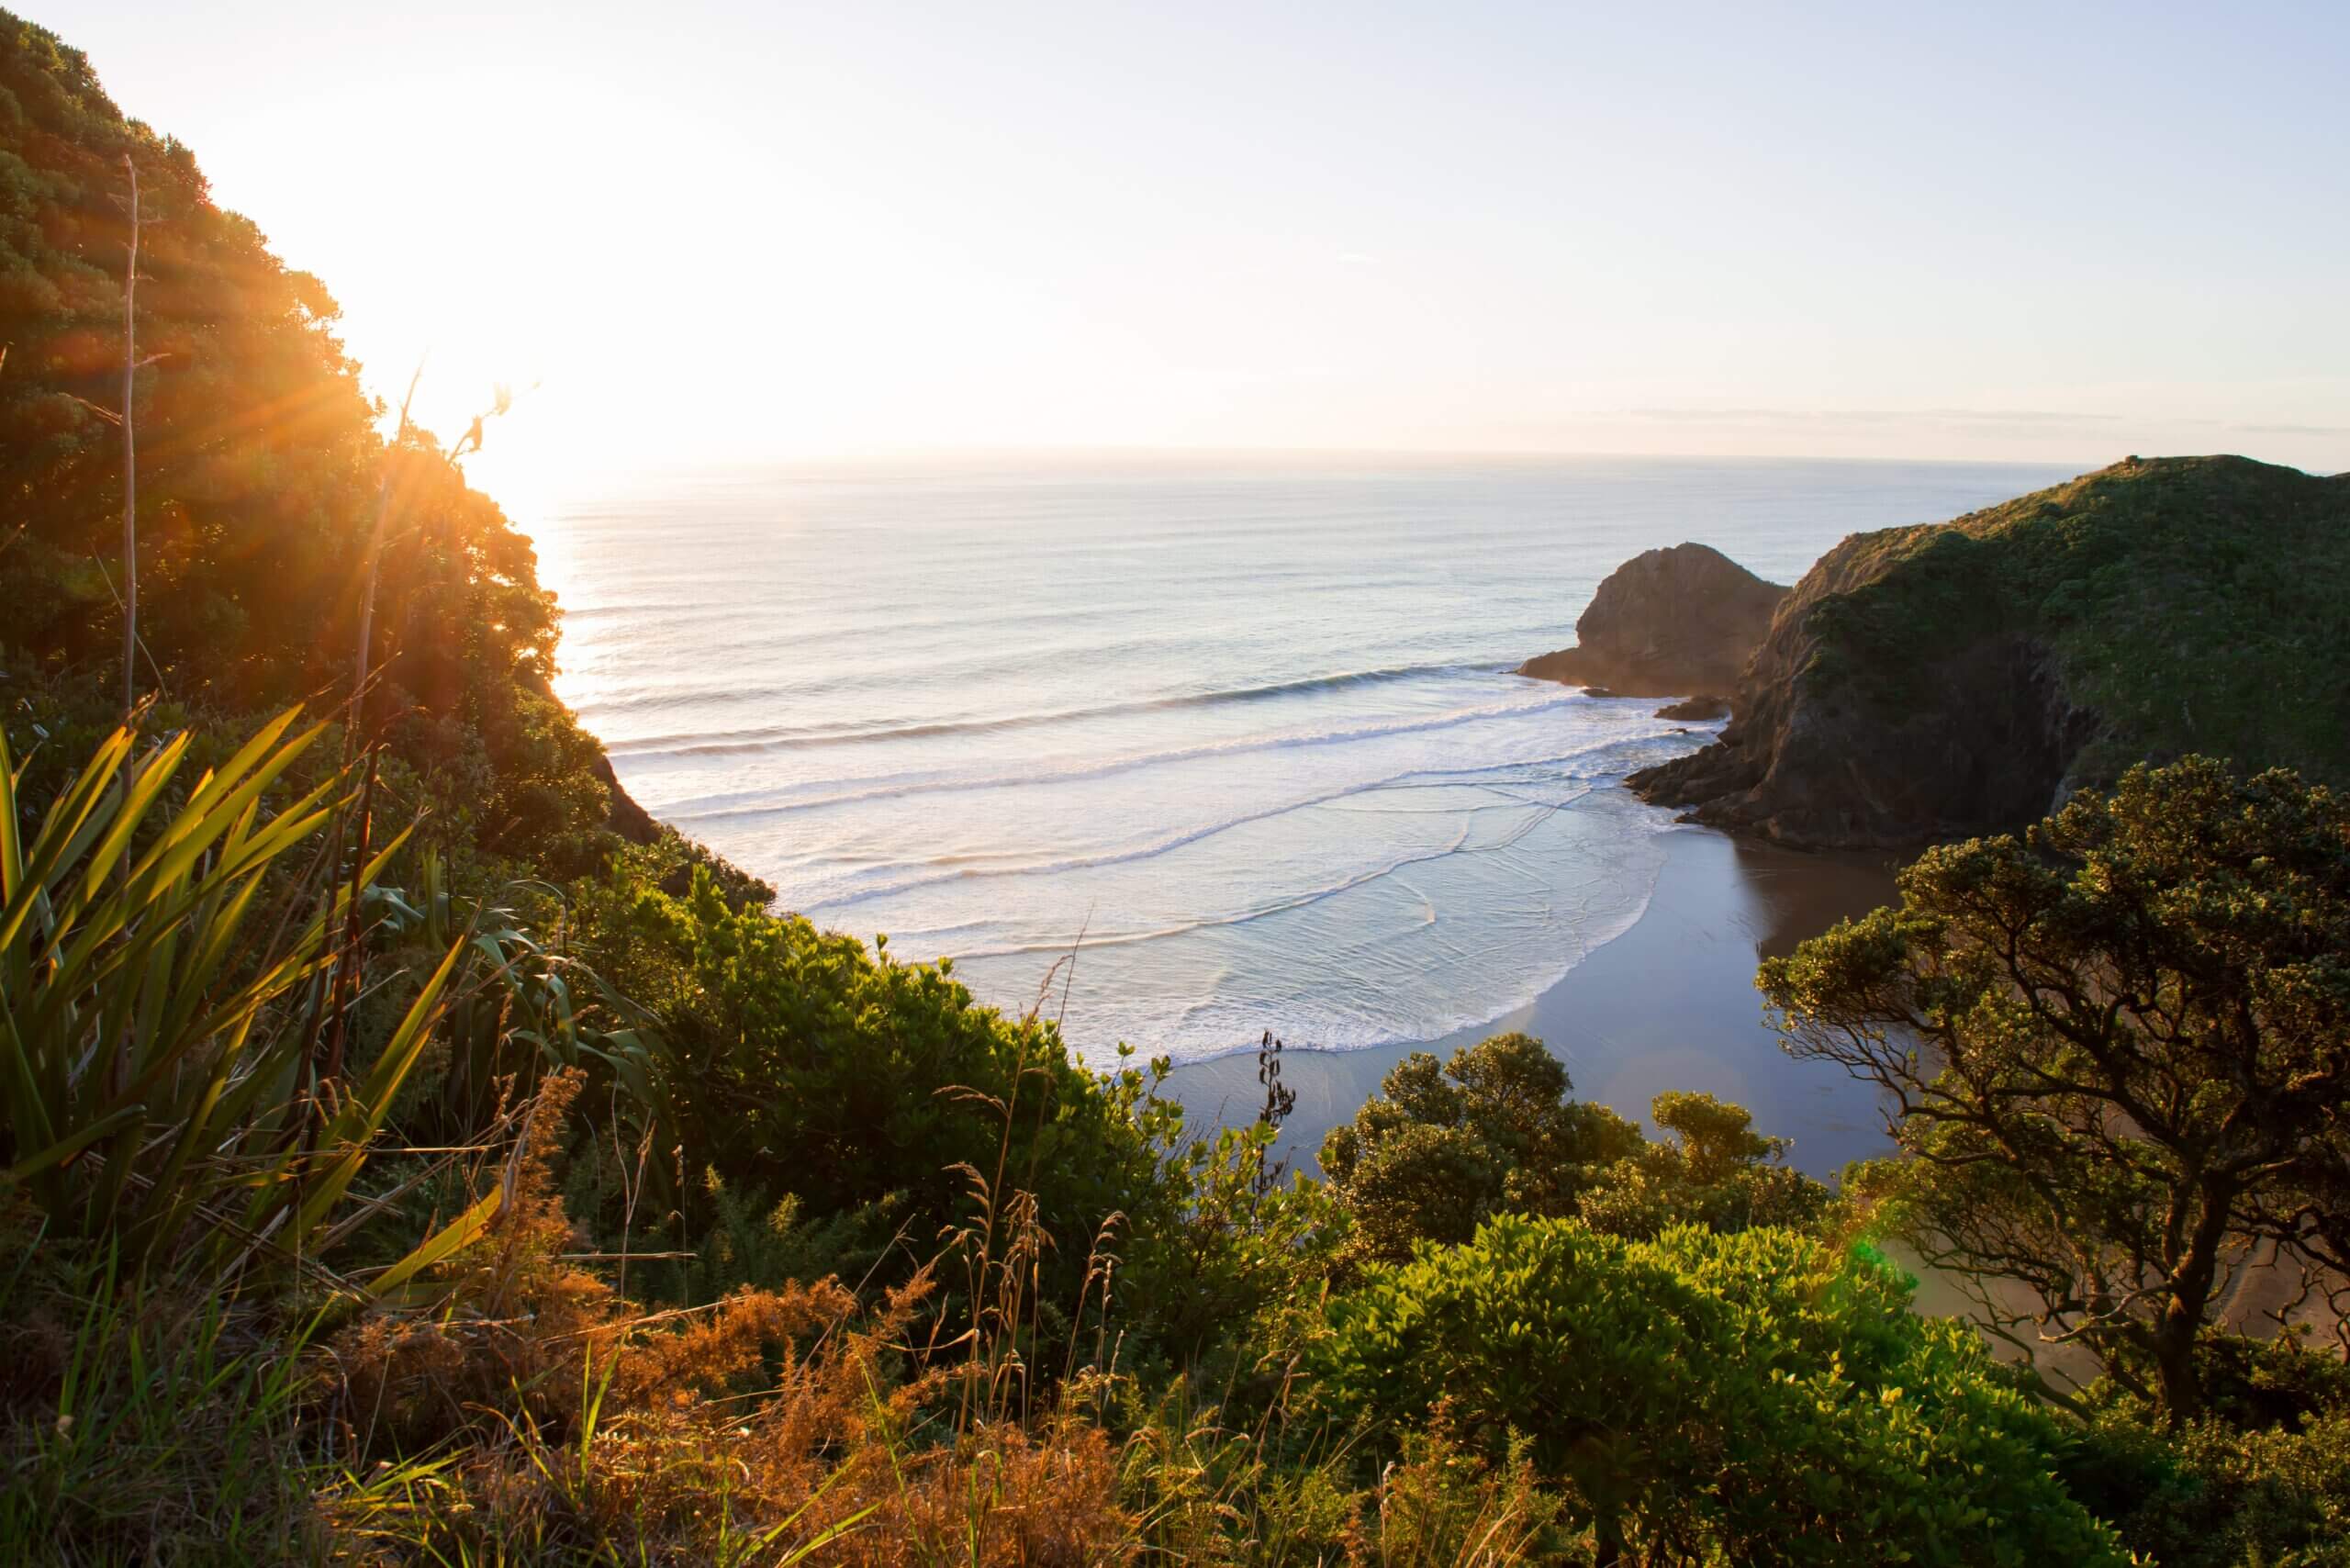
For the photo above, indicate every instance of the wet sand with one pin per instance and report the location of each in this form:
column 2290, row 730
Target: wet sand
column 1669, row 1004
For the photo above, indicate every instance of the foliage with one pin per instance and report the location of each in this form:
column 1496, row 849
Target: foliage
column 1438, row 1152
column 748, row 1242
column 776, row 1426
column 256, row 436
column 175, row 1003
column 794, row 1060
column 1215, row 1252
column 1714, row 1170
column 148, row 1422
column 2193, row 604
column 260, row 471
column 1511, row 1331
column 2116, row 1045
column 1756, row 1398
column 1441, row 1149
column 2263, row 1477
column 1443, row 1503
column 2278, row 1497
column 1211, row 1490
column 523, row 1002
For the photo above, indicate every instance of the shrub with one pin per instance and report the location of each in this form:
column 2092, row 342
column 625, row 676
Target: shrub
column 2264, row 1477
column 1441, row 1149
column 1715, row 1172
column 797, row 1061
column 1759, row 1396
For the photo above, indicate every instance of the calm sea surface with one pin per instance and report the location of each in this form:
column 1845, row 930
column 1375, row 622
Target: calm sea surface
column 1247, row 726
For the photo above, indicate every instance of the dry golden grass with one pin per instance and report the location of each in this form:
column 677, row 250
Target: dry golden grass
column 559, row 1423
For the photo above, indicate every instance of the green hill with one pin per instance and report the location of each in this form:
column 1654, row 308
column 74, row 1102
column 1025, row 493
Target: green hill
column 1939, row 681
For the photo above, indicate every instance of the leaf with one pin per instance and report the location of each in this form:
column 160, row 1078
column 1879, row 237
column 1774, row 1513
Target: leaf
column 445, row 1243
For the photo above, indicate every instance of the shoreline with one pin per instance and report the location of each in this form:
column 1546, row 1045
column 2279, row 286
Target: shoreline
column 1669, row 1003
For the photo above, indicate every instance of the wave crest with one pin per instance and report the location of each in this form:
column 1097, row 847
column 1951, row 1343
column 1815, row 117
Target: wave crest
column 784, row 737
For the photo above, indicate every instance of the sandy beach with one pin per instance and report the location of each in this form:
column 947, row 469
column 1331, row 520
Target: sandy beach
column 1670, row 1004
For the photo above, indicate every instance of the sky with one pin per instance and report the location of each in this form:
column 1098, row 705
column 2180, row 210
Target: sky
column 716, row 233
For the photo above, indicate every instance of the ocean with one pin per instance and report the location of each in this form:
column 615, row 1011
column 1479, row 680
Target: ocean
column 1176, row 750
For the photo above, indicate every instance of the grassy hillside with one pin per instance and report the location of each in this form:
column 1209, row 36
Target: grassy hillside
column 1937, row 681
column 2192, row 604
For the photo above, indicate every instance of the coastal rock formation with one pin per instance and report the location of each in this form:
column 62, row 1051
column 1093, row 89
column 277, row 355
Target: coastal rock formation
column 1703, row 707
column 1931, row 682
column 1665, row 623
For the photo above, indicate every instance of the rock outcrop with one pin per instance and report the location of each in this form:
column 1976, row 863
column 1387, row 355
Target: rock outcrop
column 626, row 818
column 1932, row 682
column 1701, row 709
column 1666, row 623
column 1980, row 743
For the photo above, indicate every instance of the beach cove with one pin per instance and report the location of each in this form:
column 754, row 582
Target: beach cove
column 1669, row 1004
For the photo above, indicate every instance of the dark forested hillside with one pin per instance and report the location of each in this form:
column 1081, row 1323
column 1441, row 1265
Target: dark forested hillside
column 258, row 450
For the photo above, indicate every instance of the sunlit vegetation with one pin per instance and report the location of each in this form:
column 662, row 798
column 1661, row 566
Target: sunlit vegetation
column 399, row 1166
column 258, row 1314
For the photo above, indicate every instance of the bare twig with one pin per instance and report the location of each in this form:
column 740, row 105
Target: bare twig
column 108, row 577
column 101, row 410
column 130, row 456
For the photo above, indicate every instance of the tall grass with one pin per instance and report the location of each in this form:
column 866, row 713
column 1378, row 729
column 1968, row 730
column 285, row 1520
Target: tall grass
column 152, row 1425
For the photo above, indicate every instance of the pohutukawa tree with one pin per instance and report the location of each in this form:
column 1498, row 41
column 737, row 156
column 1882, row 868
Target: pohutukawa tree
column 1444, row 1147
column 2118, row 1054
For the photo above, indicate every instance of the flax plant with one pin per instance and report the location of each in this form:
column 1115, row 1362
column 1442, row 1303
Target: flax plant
column 174, row 973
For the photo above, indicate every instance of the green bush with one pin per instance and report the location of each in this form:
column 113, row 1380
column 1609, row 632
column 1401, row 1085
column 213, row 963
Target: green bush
column 797, row 1061
column 2263, row 1478
column 1441, row 1149
column 1715, row 1172
column 1758, row 1398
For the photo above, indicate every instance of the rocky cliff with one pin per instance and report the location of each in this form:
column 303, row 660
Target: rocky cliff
column 1667, row 623
column 1930, row 682
column 626, row 818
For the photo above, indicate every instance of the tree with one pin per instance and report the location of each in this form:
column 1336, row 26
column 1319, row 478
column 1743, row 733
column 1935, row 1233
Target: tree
column 1443, row 1148
column 2119, row 1053
column 1714, row 1170
column 262, row 504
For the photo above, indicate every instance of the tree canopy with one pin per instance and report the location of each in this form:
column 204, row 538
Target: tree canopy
column 2118, row 1049
column 260, row 468
column 1442, row 1147
column 1758, row 1398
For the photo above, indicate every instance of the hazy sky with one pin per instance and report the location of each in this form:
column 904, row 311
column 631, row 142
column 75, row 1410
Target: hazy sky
column 2016, row 232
